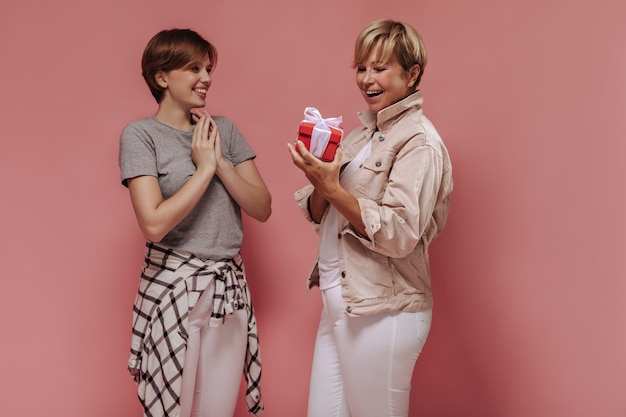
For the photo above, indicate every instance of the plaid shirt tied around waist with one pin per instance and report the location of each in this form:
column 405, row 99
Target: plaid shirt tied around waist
column 171, row 283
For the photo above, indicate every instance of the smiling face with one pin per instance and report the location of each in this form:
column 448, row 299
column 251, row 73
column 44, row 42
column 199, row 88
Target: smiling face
column 171, row 50
column 384, row 83
column 187, row 87
column 389, row 58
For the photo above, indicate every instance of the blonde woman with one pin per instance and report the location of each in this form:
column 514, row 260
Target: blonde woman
column 377, row 207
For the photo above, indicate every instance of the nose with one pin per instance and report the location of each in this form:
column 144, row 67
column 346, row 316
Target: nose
column 366, row 77
column 205, row 76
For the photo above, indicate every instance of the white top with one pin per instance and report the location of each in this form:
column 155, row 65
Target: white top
column 328, row 258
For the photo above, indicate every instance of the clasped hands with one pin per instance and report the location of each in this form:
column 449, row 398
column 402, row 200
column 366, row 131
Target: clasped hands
column 206, row 144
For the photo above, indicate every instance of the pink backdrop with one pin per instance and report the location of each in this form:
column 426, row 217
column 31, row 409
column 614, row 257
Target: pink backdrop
column 528, row 277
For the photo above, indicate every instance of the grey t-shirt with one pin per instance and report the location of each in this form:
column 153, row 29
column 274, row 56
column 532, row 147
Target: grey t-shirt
column 213, row 229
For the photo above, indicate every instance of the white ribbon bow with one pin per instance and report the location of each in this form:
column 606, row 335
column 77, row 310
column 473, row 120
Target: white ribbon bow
column 321, row 131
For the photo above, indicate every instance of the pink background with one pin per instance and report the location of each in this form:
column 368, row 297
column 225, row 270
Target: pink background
column 530, row 97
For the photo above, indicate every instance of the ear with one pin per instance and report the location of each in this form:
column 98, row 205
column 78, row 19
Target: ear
column 161, row 79
column 414, row 72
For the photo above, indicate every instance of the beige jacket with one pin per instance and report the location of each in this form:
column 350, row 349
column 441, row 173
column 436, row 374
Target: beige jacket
column 403, row 189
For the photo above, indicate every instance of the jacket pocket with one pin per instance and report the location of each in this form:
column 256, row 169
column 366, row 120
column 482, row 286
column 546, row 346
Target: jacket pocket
column 374, row 175
column 370, row 274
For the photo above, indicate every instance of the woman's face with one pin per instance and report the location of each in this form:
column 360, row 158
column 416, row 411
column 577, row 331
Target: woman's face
column 188, row 86
column 382, row 84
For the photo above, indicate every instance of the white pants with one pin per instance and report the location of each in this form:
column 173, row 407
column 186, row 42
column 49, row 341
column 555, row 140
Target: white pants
column 214, row 362
column 362, row 366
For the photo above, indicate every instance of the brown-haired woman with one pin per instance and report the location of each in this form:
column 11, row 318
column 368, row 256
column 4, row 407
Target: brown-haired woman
column 189, row 176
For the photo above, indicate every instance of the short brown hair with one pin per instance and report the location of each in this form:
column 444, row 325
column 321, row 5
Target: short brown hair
column 170, row 50
column 388, row 37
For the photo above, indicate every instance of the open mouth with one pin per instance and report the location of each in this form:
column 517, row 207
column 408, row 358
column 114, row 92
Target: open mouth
column 374, row 93
column 200, row 90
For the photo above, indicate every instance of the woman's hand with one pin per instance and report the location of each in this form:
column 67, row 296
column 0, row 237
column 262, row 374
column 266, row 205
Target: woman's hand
column 205, row 122
column 243, row 182
column 324, row 176
column 203, row 143
column 156, row 216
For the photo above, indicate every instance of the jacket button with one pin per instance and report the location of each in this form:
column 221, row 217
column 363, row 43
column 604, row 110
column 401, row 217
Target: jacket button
column 349, row 309
column 381, row 138
column 343, row 274
column 338, row 235
column 378, row 164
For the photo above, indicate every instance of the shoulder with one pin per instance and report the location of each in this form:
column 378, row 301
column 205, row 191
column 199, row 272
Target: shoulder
column 139, row 134
column 411, row 133
column 138, row 126
column 416, row 126
column 228, row 130
column 423, row 136
column 223, row 122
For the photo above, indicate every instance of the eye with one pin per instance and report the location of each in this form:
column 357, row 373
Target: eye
column 209, row 69
column 360, row 69
column 194, row 68
column 379, row 69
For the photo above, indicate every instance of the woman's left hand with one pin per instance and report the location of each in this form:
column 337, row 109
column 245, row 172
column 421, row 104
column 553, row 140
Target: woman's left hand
column 213, row 136
column 219, row 156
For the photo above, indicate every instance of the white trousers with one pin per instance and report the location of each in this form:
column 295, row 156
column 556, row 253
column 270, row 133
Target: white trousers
column 214, row 362
column 362, row 366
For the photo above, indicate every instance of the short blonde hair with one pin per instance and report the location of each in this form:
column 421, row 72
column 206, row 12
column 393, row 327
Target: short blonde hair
column 388, row 37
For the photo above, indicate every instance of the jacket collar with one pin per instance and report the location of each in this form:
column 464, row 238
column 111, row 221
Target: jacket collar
column 387, row 116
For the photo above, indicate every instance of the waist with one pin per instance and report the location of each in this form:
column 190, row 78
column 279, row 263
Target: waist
column 170, row 258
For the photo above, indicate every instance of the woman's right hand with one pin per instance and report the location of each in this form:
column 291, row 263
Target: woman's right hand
column 157, row 216
column 324, row 176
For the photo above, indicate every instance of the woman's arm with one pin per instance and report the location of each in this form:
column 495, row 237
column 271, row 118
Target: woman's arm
column 245, row 185
column 317, row 206
column 324, row 176
column 156, row 217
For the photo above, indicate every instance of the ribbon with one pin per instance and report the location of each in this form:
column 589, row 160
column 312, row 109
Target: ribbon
column 321, row 131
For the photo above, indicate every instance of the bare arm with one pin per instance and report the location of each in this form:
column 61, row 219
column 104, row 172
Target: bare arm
column 156, row 217
column 245, row 185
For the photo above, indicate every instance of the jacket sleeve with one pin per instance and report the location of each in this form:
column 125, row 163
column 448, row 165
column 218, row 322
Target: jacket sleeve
column 404, row 215
column 302, row 197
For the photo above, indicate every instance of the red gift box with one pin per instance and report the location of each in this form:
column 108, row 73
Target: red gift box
column 305, row 131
